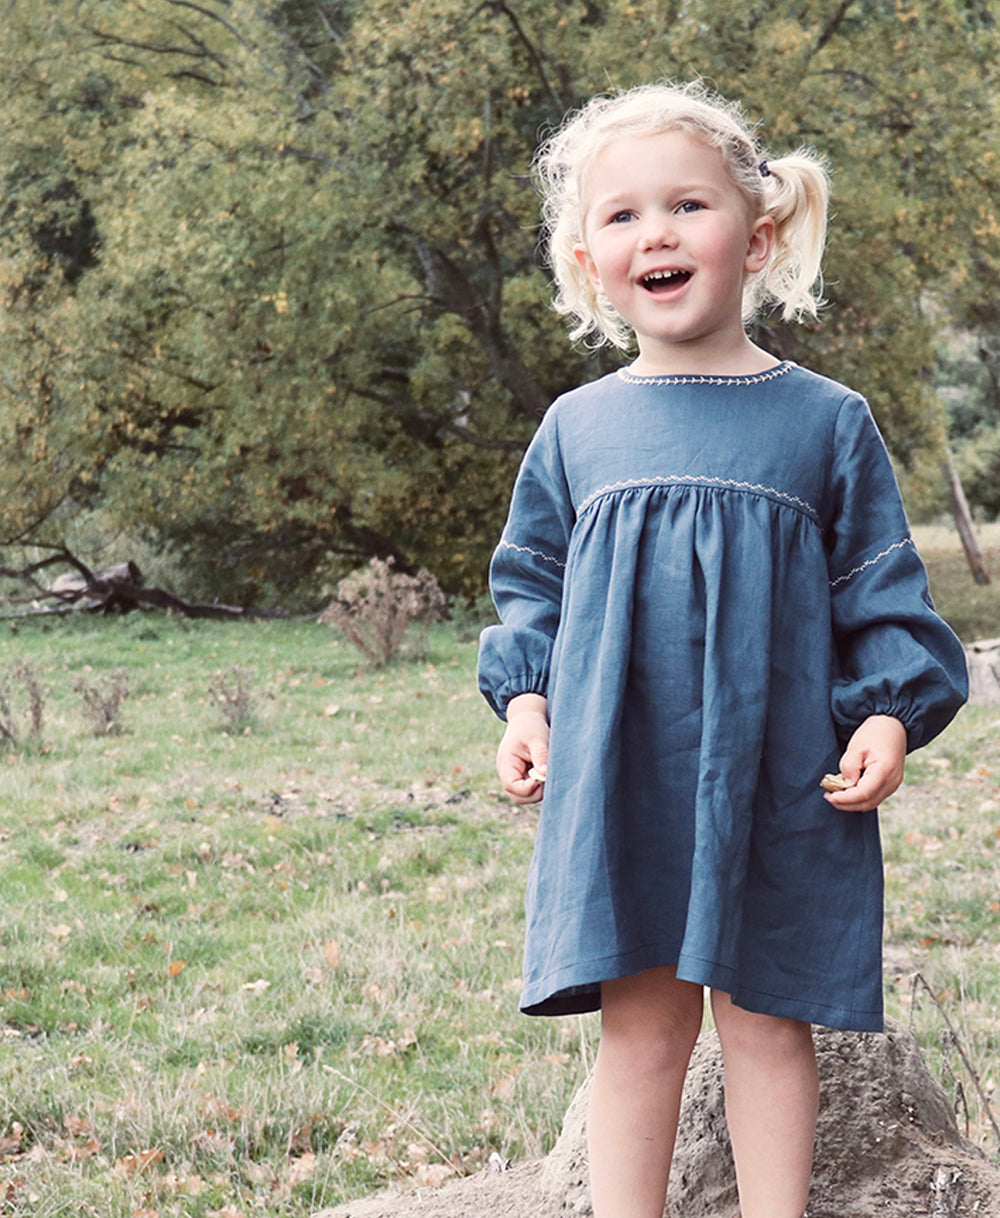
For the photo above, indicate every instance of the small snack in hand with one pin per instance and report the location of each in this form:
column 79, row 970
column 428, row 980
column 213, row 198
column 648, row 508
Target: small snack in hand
column 537, row 774
column 835, row 782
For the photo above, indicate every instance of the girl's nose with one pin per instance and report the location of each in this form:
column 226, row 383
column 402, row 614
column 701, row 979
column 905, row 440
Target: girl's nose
column 658, row 232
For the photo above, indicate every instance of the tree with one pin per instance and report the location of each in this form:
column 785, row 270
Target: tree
column 271, row 286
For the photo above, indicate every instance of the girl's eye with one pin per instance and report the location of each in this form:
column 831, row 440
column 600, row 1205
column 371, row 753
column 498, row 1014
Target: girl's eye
column 621, row 217
column 689, row 206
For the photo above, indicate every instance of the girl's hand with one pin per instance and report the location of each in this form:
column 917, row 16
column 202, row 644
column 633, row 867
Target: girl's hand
column 524, row 747
column 873, row 762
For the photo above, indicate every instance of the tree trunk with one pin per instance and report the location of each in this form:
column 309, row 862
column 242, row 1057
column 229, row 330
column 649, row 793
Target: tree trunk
column 963, row 521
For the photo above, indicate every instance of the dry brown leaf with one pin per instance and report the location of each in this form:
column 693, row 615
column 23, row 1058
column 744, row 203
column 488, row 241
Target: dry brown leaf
column 131, row 1165
column 302, row 1168
column 503, row 1088
column 10, row 1143
column 79, row 1152
column 75, row 1125
column 212, row 1105
column 300, row 1141
column 191, row 1186
column 331, row 954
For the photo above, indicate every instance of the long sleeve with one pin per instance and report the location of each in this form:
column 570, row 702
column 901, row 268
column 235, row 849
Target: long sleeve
column 896, row 655
column 526, row 576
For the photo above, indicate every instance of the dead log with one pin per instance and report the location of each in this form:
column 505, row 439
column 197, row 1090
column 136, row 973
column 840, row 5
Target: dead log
column 120, row 588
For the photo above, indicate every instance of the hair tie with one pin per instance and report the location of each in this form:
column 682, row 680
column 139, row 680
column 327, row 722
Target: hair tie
column 764, row 171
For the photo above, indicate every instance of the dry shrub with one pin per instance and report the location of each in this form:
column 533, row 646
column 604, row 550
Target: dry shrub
column 375, row 606
column 233, row 693
column 102, row 700
column 21, row 675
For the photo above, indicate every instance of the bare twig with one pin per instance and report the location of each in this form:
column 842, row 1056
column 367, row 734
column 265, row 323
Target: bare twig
column 919, row 981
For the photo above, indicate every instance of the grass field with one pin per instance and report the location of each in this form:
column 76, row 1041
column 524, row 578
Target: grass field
column 263, row 962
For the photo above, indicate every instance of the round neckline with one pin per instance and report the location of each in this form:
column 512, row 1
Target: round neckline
column 746, row 378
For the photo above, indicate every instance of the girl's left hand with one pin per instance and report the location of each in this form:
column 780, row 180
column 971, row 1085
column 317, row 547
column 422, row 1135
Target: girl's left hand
column 873, row 762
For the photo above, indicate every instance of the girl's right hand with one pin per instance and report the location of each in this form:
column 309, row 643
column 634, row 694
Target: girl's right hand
column 524, row 747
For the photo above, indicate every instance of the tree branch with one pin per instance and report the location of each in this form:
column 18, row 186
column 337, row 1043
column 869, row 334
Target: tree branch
column 60, row 555
column 470, row 437
column 161, row 48
column 832, row 26
column 502, row 7
column 205, row 12
column 450, row 289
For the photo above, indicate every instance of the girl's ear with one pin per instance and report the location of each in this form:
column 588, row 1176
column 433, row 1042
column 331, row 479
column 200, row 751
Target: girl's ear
column 588, row 266
column 760, row 245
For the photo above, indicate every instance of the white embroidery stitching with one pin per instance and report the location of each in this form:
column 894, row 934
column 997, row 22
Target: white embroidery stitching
column 757, row 379
column 507, row 545
column 899, row 545
column 700, row 480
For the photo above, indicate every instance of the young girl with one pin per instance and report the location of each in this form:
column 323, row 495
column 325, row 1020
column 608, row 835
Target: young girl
column 710, row 596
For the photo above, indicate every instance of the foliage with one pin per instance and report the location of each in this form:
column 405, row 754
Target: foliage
column 268, row 275
column 376, row 606
column 968, row 382
column 979, row 465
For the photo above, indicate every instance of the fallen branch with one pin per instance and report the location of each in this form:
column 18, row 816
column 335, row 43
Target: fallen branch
column 118, row 588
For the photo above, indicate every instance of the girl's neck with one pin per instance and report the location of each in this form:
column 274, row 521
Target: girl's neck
column 747, row 359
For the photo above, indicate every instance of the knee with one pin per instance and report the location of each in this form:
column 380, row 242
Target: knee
column 647, row 1054
column 766, row 1038
column 651, row 1023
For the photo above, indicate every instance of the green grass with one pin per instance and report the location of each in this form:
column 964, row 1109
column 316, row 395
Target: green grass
column 266, row 967
column 283, row 959
column 973, row 610
column 942, row 849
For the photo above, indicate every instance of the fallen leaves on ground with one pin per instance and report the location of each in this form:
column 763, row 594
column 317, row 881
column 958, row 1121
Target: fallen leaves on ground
column 132, row 1165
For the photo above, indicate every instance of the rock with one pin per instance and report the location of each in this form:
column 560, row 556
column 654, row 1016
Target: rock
column 887, row 1144
column 984, row 672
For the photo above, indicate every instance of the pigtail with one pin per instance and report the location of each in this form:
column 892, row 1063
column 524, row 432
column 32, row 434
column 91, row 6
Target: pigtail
column 796, row 194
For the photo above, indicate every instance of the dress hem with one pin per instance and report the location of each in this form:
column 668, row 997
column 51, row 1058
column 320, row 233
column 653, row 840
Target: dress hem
column 582, row 998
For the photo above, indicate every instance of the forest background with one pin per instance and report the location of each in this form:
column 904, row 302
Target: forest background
column 270, row 295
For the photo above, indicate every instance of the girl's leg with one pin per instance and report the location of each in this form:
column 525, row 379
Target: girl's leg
column 649, row 1024
column 772, row 1095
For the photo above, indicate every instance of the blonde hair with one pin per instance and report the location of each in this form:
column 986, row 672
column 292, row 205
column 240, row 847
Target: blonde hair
column 792, row 189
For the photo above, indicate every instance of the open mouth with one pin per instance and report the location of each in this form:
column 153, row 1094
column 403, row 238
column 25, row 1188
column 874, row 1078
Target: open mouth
column 664, row 281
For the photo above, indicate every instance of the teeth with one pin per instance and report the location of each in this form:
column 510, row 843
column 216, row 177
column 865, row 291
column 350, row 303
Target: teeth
column 661, row 276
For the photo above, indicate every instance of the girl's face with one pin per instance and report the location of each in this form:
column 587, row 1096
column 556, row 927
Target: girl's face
column 669, row 238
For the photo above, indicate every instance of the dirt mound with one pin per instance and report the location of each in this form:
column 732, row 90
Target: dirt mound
column 887, row 1146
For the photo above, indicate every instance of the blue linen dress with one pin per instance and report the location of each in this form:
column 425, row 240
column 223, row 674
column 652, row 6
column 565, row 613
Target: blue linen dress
column 713, row 582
